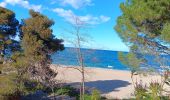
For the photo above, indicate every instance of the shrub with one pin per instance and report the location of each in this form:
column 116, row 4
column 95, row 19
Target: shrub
column 140, row 91
column 66, row 90
column 155, row 90
column 95, row 95
column 152, row 92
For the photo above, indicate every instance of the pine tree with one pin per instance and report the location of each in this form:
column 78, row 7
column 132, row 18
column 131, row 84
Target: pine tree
column 38, row 44
column 146, row 24
column 8, row 28
column 29, row 61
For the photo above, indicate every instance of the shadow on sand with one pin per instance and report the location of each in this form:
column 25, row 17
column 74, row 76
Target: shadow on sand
column 105, row 86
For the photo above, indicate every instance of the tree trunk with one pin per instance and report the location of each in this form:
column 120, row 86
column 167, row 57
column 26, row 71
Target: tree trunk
column 81, row 91
column 83, row 85
column 80, row 58
column 53, row 93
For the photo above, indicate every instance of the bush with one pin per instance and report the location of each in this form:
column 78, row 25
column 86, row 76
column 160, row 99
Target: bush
column 33, row 86
column 155, row 90
column 66, row 90
column 152, row 92
column 72, row 92
column 87, row 97
column 95, row 95
column 140, row 91
column 7, row 85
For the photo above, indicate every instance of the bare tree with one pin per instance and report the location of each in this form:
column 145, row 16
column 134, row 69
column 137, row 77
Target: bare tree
column 78, row 28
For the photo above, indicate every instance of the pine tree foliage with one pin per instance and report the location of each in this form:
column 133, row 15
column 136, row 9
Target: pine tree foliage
column 144, row 26
column 38, row 44
column 29, row 62
column 145, row 23
column 130, row 60
column 8, row 28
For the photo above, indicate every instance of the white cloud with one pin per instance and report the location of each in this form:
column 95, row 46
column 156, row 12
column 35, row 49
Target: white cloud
column 104, row 18
column 69, row 16
column 2, row 4
column 23, row 3
column 76, row 3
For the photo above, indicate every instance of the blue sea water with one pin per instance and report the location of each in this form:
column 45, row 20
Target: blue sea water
column 92, row 58
column 100, row 59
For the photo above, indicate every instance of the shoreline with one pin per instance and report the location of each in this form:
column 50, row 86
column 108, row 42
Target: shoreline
column 61, row 65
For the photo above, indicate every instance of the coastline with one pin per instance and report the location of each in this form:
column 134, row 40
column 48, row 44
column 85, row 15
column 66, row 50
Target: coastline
column 111, row 83
column 89, row 67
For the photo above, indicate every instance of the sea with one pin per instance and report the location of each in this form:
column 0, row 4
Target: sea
column 94, row 58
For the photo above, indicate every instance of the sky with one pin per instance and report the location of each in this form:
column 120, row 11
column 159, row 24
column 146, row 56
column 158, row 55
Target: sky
column 99, row 15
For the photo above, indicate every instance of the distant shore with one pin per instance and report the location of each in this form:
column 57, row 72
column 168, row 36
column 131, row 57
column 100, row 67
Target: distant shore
column 111, row 83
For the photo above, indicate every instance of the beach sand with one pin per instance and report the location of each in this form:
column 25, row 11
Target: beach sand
column 111, row 83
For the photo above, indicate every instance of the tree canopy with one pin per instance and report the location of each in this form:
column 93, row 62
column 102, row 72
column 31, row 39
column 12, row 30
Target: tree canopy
column 145, row 23
column 37, row 30
column 30, row 56
column 8, row 28
column 39, row 43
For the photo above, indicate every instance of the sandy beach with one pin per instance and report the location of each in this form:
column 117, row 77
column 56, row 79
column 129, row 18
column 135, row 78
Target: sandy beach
column 111, row 83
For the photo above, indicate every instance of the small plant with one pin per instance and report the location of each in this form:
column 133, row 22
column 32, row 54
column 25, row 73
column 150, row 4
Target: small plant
column 95, row 95
column 87, row 97
column 140, row 91
column 151, row 92
column 33, row 86
column 67, row 90
column 155, row 90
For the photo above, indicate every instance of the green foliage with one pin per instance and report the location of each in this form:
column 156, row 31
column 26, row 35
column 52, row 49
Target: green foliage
column 87, row 97
column 7, row 18
column 7, row 84
column 12, row 82
column 95, row 95
column 148, row 17
column 19, row 61
column 144, row 27
column 151, row 92
column 8, row 28
column 38, row 44
column 130, row 60
column 38, row 36
column 145, row 24
column 155, row 90
column 31, row 86
column 10, row 89
column 17, row 72
column 72, row 92
column 140, row 91
column 67, row 90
